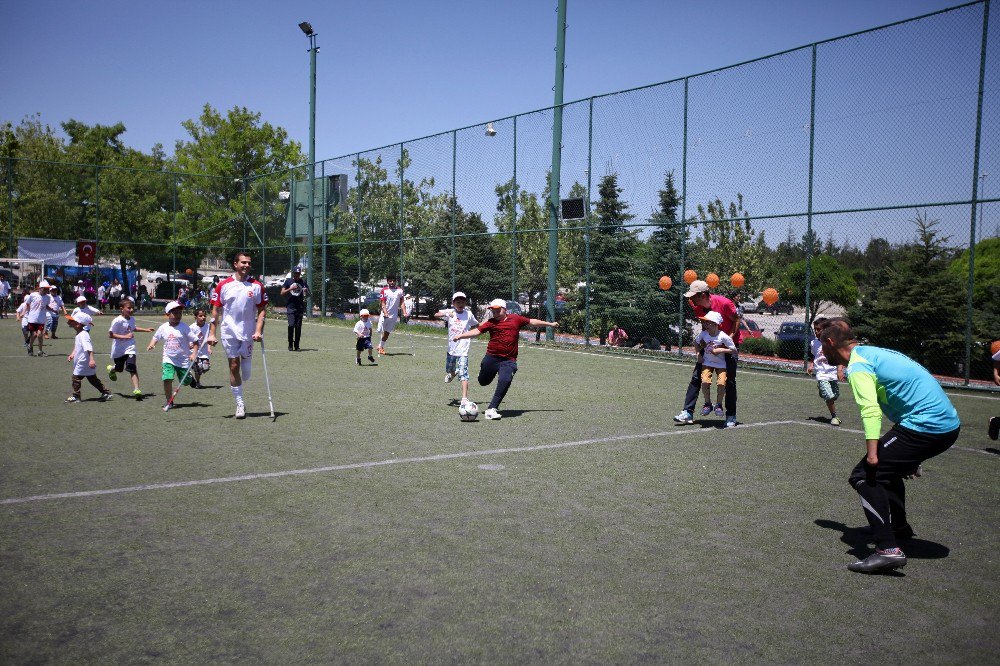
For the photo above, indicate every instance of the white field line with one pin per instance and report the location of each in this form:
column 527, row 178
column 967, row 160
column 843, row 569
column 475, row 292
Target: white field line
column 402, row 461
column 814, row 424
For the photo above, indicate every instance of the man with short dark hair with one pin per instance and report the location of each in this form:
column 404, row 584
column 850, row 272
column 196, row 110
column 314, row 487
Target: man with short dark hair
column 295, row 290
column 925, row 424
column 704, row 301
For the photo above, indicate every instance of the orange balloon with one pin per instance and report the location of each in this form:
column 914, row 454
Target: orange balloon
column 666, row 282
column 190, row 271
column 737, row 280
column 770, row 296
column 994, row 347
column 712, row 280
column 690, row 276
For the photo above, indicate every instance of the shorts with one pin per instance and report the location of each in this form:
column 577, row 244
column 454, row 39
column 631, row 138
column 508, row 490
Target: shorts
column 171, row 372
column 458, row 365
column 237, row 348
column 828, row 389
column 126, row 362
column 720, row 375
column 386, row 324
column 34, row 328
column 363, row 343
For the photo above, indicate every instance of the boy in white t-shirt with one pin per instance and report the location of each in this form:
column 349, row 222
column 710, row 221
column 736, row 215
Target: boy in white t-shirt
column 203, row 363
column 713, row 343
column 460, row 319
column 37, row 314
column 56, row 309
column 21, row 313
column 180, row 347
column 393, row 308
column 826, row 375
column 363, row 331
column 81, row 306
column 82, row 358
column 123, row 354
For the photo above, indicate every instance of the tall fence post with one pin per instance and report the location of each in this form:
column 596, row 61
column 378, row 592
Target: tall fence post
column 402, row 157
column 975, row 194
column 683, row 234
column 173, row 244
column 97, row 225
column 454, row 204
column 263, row 227
column 513, row 223
column 586, row 232
column 323, row 209
column 357, row 216
column 809, row 207
column 10, row 204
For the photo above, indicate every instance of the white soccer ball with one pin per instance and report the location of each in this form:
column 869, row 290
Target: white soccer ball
column 295, row 289
column 468, row 411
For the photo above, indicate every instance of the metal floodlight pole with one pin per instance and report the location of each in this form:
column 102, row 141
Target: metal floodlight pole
column 313, row 49
column 557, row 113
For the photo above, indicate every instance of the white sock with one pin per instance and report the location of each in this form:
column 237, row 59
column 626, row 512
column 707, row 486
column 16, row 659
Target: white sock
column 237, row 392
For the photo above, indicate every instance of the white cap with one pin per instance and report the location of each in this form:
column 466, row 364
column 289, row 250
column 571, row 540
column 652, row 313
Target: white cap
column 44, row 284
column 697, row 287
column 712, row 316
column 497, row 303
column 172, row 305
column 83, row 318
column 459, row 294
column 81, row 299
column 364, row 312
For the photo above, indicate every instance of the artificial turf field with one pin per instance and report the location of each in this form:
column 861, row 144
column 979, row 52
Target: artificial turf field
column 582, row 527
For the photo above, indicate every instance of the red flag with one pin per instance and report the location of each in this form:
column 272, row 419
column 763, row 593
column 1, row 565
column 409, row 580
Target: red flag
column 86, row 252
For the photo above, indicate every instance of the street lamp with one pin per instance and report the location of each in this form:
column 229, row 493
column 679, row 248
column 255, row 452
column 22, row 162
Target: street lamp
column 307, row 29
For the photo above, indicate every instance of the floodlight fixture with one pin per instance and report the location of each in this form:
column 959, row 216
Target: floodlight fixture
column 307, row 28
column 490, row 131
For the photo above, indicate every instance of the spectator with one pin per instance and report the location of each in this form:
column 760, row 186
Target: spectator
column 617, row 337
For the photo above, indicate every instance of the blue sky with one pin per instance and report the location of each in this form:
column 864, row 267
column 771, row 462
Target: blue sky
column 395, row 70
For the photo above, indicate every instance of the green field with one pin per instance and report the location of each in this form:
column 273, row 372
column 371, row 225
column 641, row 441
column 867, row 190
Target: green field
column 583, row 527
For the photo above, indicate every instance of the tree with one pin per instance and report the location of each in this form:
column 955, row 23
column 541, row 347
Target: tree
column 615, row 290
column 829, row 283
column 915, row 310
column 728, row 243
column 661, row 255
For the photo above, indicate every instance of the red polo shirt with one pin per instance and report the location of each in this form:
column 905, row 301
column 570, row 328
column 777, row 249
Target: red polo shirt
column 727, row 309
column 504, row 335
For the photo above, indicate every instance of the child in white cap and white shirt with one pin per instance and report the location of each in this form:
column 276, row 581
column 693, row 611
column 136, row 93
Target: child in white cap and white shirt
column 82, row 358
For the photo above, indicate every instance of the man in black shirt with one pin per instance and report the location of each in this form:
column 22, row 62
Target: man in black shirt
column 295, row 291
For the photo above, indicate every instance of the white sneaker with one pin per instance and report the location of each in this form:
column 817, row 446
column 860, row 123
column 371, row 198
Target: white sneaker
column 684, row 417
column 731, row 422
column 241, row 410
column 448, row 377
column 492, row 415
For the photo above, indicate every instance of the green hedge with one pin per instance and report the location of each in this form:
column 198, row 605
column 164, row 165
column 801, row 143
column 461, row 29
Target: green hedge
column 759, row 346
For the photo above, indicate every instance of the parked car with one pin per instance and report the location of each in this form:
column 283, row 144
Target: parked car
column 749, row 307
column 780, row 307
column 794, row 331
column 750, row 329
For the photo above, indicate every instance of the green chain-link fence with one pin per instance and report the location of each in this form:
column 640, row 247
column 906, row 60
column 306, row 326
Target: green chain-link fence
column 850, row 175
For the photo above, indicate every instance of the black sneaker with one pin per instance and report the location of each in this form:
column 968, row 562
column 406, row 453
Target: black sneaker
column 371, row 359
column 878, row 562
column 358, row 361
column 994, row 430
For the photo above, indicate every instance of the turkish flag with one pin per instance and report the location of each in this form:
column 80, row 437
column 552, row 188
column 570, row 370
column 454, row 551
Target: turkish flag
column 86, row 253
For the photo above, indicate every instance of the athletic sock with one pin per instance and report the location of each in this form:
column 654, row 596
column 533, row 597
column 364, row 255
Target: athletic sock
column 237, row 392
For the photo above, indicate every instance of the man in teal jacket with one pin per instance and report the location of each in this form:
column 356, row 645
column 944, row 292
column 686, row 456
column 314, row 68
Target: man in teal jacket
column 924, row 424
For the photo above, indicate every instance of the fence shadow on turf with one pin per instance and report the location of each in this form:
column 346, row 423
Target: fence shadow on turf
column 860, row 538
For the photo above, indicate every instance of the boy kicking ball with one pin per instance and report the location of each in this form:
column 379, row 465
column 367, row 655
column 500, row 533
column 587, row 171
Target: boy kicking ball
column 123, row 354
column 363, row 331
column 180, row 348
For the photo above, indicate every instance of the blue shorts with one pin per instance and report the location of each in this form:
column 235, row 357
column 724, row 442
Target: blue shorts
column 459, row 365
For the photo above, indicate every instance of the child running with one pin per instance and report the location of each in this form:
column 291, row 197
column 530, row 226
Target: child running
column 180, row 347
column 203, row 363
column 827, row 375
column 363, row 330
column 21, row 313
column 459, row 321
column 123, row 354
column 82, row 358
column 714, row 343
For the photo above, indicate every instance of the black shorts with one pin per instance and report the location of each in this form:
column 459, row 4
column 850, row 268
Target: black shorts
column 126, row 362
column 900, row 452
column 363, row 343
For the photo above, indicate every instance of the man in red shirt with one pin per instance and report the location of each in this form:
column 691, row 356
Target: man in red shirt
column 501, row 351
column 703, row 301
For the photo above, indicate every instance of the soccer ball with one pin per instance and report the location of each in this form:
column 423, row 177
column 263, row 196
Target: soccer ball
column 468, row 411
column 295, row 289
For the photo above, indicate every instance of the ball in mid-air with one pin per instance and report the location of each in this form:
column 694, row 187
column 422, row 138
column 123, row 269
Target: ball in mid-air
column 468, row 411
